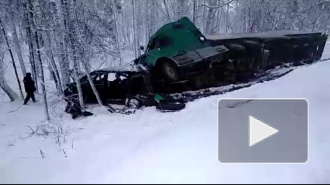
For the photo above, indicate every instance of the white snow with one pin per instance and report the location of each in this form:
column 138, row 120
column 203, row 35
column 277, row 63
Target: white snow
column 154, row 147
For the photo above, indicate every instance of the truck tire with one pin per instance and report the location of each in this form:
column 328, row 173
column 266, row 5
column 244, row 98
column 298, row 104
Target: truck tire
column 236, row 50
column 196, row 83
column 170, row 104
column 169, row 72
column 133, row 103
column 202, row 80
column 165, row 106
column 237, row 47
column 253, row 44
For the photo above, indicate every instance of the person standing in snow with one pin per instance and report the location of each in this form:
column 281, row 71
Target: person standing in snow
column 29, row 88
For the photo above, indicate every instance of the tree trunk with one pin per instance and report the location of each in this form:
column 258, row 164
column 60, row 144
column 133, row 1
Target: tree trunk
column 47, row 27
column 63, row 59
column 204, row 14
column 227, row 16
column 117, row 34
column 12, row 58
column 210, row 17
column 85, row 59
column 91, row 83
column 3, row 84
column 18, row 48
column 181, row 8
column 138, row 19
column 134, row 30
column 35, row 23
column 167, row 12
column 74, row 48
column 30, row 41
column 9, row 91
column 194, row 11
column 52, row 63
column 64, row 64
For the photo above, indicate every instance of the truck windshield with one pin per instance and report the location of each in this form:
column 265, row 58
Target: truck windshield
column 162, row 42
column 159, row 42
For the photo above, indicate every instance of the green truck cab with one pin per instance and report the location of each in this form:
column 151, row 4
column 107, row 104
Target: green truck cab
column 178, row 51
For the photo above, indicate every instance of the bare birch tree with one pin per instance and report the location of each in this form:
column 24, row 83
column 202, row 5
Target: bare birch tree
column 17, row 46
column 11, row 56
column 36, row 22
column 3, row 84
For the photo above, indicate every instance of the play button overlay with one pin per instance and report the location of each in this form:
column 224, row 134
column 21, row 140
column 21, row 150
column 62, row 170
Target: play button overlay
column 263, row 130
column 259, row 131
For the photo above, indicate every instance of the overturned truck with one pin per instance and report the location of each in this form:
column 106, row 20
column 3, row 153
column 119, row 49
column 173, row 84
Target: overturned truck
column 251, row 53
column 179, row 57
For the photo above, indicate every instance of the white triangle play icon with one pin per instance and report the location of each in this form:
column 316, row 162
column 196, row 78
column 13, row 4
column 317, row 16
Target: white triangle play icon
column 259, row 131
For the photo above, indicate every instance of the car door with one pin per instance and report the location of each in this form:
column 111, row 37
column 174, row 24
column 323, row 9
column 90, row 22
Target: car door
column 101, row 84
column 116, row 89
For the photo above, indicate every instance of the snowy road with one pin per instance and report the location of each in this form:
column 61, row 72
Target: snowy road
column 154, row 147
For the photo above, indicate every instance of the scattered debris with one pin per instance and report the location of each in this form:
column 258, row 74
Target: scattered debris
column 42, row 154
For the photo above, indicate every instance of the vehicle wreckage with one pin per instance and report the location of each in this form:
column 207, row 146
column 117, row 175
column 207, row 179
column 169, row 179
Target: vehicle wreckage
column 180, row 60
column 131, row 88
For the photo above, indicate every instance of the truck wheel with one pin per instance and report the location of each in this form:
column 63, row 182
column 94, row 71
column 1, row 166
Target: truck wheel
column 237, row 47
column 169, row 72
column 166, row 106
column 251, row 43
column 203, row 80
column 196, row 83
column 133, row 103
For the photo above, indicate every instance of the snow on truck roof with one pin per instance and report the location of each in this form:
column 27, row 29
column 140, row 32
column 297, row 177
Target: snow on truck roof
column 261, row 35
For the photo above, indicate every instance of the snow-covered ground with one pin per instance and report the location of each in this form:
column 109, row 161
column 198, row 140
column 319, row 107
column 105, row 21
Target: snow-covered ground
column 154, row 147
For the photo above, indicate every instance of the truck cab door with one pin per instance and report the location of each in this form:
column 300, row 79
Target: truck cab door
column 160, row 48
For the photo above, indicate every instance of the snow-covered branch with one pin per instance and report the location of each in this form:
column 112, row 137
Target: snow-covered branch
column 216, row 7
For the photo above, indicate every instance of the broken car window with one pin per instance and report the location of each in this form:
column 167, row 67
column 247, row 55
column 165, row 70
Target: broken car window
column 99, row 78
column 111, row 77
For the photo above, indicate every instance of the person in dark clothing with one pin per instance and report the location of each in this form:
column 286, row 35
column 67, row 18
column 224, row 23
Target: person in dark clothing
column 29, row 88
column 73, row 105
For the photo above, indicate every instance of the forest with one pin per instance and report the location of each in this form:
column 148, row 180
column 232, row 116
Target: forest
column 58, row 36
